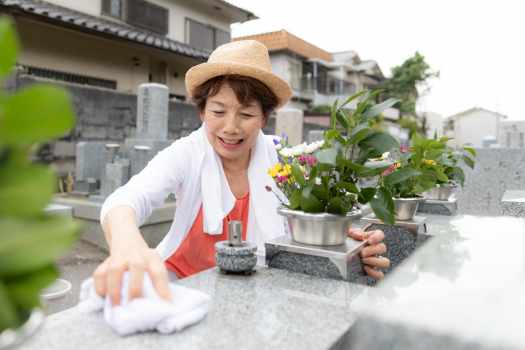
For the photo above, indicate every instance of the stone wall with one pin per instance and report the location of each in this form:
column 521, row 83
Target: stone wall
column 105, row 115
column 496, row 171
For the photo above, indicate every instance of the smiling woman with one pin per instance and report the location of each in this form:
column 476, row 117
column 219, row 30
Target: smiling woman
column 218, row 174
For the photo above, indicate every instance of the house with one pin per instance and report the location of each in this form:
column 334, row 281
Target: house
column 316, row 76
column 473, row 126
column 433, row 123
column 119, row 44
column 511, row 134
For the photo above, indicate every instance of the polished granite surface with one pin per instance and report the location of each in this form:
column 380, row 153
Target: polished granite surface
column 270, row 309
column 466, row 285
column 513, row 203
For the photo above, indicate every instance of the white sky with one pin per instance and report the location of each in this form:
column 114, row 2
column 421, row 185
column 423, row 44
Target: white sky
column 478, row 46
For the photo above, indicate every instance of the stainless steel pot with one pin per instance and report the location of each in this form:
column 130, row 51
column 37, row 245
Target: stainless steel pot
column 319, row 229
column 441, row 192
column 406, row 208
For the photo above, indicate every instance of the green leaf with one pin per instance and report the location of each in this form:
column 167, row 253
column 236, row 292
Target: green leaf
column 341, row 118
column 353, row 97
column 383, row 206
column 310, row 203
column 333, row 117
column 380, row 108
column 400, row 175
column 8, row 47
column 363, row 171
column 336, row 206
column 321, row 193
column 8, row 315
column 440, row 174
column 25, row 190
column 295, row 199
column 24, row 290
column 35, row 114
column 298, row 174
column 327, row 156
column 379, row 142
column 26, row 245
column 470, row 150
column 366, row 195
column 469, row 161
column 359, row 133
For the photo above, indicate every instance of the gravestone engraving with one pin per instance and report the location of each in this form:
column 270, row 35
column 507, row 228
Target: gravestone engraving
column 152, row 112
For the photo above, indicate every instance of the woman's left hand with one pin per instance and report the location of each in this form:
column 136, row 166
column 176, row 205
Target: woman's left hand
column 371, row 254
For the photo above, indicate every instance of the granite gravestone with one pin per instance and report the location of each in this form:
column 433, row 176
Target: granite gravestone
column 289, row 122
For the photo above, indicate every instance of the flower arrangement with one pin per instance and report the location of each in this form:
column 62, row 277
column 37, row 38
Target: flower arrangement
column 324, row 176
column 418, row 168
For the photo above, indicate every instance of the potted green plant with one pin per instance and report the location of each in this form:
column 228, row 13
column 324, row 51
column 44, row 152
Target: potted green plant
column 416, row 171
column 320, row 181
column 452, row 159
column 30, row 239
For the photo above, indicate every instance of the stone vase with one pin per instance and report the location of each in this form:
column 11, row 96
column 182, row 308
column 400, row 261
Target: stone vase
column 321, row 229
column 441, row 192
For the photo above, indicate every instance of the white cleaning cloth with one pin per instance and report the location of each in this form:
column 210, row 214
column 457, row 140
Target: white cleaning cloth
column 150, row 312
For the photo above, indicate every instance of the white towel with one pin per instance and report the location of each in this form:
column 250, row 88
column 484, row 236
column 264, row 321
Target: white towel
column 150, row 312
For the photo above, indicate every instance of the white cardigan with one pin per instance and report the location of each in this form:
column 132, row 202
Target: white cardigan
column 192, row 170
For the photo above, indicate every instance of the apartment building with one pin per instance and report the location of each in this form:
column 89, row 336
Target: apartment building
column 119, row 44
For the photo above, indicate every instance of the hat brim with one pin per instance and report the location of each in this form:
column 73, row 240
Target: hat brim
column 203, row 72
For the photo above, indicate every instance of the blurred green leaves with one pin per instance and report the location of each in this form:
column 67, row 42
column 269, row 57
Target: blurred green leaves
column 30, row 240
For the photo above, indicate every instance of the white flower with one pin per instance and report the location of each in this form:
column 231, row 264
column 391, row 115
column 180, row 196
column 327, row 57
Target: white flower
column 314, row 146
column 318, row 181
column 286, row 152
column 385, row 155
column 278, row 146
column 299, row 149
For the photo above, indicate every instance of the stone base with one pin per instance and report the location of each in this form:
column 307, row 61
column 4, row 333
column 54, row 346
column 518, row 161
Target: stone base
column 513, row 203
column 432, row 206
column 401, row 239
column 87, row 212
column 335, row 262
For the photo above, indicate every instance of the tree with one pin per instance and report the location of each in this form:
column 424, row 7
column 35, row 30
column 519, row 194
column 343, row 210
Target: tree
column 404, row 84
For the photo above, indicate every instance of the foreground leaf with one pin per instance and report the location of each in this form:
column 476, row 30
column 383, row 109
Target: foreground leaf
column 36, row 114
column 9, row 49
column 26, row 245
column 383, row 206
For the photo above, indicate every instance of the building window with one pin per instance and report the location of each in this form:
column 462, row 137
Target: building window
column 203, row 36
column 139, row 13
column 70, row 77
column 112, row 8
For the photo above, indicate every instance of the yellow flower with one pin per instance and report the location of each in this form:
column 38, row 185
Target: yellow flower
column 286, row 170
column 274, row 171
column 429, row 162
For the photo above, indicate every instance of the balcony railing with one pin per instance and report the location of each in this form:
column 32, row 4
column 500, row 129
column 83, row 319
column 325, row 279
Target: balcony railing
column 323, row 85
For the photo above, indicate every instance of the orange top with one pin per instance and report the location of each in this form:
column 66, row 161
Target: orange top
column 197, row 252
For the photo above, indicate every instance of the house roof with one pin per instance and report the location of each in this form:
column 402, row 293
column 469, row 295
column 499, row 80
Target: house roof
column 473, row 110
column 65, row 17
column 283, row 40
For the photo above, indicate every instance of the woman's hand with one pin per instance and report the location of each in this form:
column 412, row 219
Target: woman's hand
column 135, row 256
column 371, row 254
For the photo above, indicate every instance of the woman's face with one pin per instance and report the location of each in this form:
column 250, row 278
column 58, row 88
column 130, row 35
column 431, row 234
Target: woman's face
column 232, row 128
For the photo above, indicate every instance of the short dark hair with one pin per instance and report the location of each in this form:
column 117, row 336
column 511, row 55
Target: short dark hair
column 245, row 88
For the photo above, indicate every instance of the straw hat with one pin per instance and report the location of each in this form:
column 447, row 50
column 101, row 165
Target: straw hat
column 245, row 57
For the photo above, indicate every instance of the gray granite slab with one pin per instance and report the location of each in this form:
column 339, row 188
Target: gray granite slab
column 438, row 207
column 513, row 203
column 267, row 310
column 464, row 289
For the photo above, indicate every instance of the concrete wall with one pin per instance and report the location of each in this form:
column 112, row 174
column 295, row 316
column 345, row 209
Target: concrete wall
column 472, row 128
column 496, row 171
column 106, row 115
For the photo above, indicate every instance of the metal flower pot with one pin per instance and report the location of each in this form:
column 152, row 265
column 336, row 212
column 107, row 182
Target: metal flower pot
column 319, row 229
column 406, row 208
column 441, row 192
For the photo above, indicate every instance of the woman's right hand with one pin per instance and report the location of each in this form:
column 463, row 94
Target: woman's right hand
column 133, row 255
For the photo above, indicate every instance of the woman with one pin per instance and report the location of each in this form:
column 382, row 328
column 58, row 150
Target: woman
column 218, row 174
